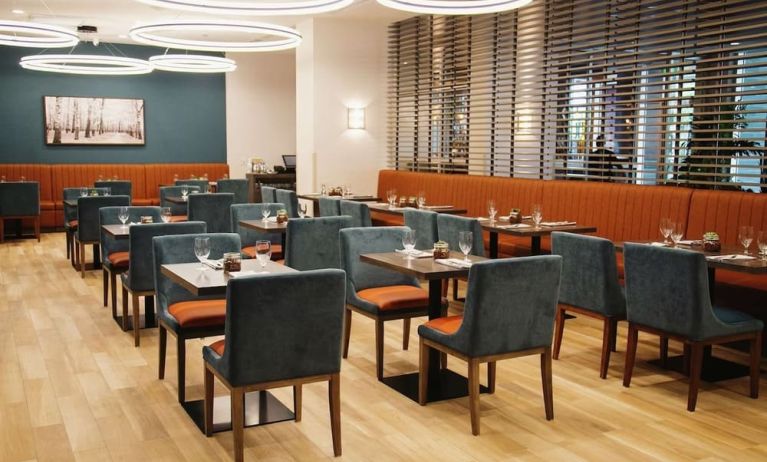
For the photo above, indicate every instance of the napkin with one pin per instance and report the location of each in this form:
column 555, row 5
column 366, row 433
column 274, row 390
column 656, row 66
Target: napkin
column 237, row 274
column 515, row 226
column 454, row 262
column 557, row 223
column 271, row 219
column 437, row 207
column 415, row 253
column 658, row 244
column 729, row 257
column 215, row 264
column 688, row 243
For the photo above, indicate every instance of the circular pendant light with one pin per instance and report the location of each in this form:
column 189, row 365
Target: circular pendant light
column 34, row 35
column 452, row 7
column 161, row 34
column 253, row 8
column 192, row 63
column 86, row 64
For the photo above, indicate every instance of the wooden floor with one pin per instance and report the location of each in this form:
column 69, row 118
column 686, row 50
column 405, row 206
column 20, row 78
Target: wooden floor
column 73, row 387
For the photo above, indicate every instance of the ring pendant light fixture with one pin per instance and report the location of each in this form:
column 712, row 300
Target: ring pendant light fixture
column 451, row 7
column 253, row 8
column 86, row 64
column 35, row 35
column 192, row 63
column 152, row 34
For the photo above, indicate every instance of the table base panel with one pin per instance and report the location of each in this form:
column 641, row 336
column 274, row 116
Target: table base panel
column 447, row 385
column 142, row 322
column 714, row 369
column 261, row 408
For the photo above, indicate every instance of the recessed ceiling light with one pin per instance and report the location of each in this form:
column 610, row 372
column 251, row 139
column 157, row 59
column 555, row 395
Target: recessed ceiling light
column 17, row 11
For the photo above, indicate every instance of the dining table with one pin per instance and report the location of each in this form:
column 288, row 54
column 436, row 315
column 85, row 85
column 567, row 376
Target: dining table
column 397, row 210
column 117, row 232
column 443, row 383
column 268, row 226
column 527, row 229
column 315, row 199
column 182, row 200
column 261, row 407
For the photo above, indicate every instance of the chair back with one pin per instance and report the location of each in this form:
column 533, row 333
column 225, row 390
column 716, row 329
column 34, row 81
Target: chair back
column 510, row 305
column 20, row 199
column 238, row 187
column 278, row 338
column 290, row 199
column 449, row 227
column 313, row 243
column 667, row 289
column 267, row 195
column 175, row 191
column 248, row 237
column 116, row 188
column 329, row 207
column 358, row 241
column 212, row 208
column 424, row 223
column 359, row 211
column 202, row 185
column 108, row 216
column 589, row 273
column 88, row 228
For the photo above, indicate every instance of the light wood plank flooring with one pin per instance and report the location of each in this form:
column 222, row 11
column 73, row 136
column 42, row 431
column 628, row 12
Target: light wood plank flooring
column 73, row 387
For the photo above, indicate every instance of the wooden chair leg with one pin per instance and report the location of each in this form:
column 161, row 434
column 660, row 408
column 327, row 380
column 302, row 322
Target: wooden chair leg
column 696, row 364
column 238, row 423
column 664, row 351
column 347, row 330
column 491, row 377
column 405, row 333
column 631, row 352
column 181, row 353
column 2, row 230
column 379, row 348
column 443, row 360
column 607, row 335
column 756, row 357
column 423, row 372
column 37, row 228
column 125, row 309
column 105, row 284
column 445, row 287
column 614, row 338
column 474, row 395
column 455, row 289
column 68, row 237
column 297, row 401
column 113, row 284
column 334, row 398
column 82, row 259
column 559, row 330
column 208, row 383
column 548, row 387
column 136, row 321
column 163, row 347
column 686, row 360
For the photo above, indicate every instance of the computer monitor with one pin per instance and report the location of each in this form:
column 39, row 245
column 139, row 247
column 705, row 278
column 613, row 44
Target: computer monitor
column 290, row 162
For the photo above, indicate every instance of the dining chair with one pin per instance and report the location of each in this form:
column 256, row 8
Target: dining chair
column 116, row 188
column 178, row 211
column 248, row 237
column 114, row 252
column 375, row 292
column 268, row 195
column 359, row 211
column 212, row 208
column 667, row 294
column 88, row 228
column 181, row 313
column 329, row 207
column 449, row 228
column 238, row 187
column 20, row 200
column 70, row 217
column 138, row 281
column 277, row 342
column 202, row 185
column 289, row 198
column 509, row 313
column 589, row 287
column 424, row 223
column 313, row 243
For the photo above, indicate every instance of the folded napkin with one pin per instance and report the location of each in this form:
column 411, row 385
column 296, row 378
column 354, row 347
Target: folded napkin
column 215, row 264
column 237, row 274
column 437, row 207
column 557, row 223
column 454, row 262
column 729, row 257
column 515, row 226
column 271, row 219
column 415, row 253
column 658, row 244
column 688, row 243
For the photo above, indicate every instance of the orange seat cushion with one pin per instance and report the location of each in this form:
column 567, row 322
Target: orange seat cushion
column 199, row 313
column 218, row 347
column 447, row 325
column 395, row 297
column 250, row 251
column 178, row 218
column 73, row 223
column 119, row 259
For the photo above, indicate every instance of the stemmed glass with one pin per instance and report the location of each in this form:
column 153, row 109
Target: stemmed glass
column 391, row 196
column 83, row 192
column 677, row 232
column 108, row 191
column 265, row 214
column 465, row 242
column 324, row 190
column 122, row 215
column 537, row 215
column 421, row 200
column 202, row 250
column 761, row 241
column 666, row 225
column 263, row 253
column 746, row 236
column 408, row 242
column 184, row 192
column 165, row 214
column 491, row 210
column 302, row 210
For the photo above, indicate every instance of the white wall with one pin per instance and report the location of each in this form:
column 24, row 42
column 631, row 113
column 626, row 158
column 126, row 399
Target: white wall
column 260, row 109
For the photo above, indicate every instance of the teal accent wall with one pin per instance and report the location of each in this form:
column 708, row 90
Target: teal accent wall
column 185, row 114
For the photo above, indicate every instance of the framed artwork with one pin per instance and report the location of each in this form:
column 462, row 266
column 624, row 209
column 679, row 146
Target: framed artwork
column 73, row 120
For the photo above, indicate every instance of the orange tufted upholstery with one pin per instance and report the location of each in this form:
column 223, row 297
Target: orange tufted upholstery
column 42, row 174
column 199, row 313
column 119, row 259
column 395, row 297
column 79, row 175
column 218, row 347
column 447, row 325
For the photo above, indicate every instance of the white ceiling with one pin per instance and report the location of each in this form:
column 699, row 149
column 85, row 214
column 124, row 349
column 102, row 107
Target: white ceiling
column 114, row 18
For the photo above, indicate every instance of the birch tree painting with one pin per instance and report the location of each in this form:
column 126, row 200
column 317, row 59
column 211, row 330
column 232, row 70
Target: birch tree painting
column 97, row 121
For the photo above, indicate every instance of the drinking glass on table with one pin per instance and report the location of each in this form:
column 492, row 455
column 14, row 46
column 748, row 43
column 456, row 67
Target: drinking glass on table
column 677, row 232
column 302, row 210
column 122, row 215
column 23, row 178
column 491, row 210
column 391, row 196
column 408, row 242
column 761, row 241
column 263, row 252
column 83, row 192
column 537, row 215
column 108, row 192
column 421, row 200
column 184, row 192
column 324, row 190
column 666, row 226
column 165, row 214
column 465, row 242
column 202, row 250
column 265, row 214
column 746, row 236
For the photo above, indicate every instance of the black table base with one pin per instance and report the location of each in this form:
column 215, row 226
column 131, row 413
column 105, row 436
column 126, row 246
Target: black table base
column 446, row 385
column 714, row 369
column 146, row 321
column 261, row 408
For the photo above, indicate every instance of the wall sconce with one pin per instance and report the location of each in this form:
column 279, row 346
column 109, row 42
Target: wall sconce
column 356, row 118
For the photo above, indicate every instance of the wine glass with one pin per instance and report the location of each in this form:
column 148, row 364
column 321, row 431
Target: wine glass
column 265, row 214
column 184, row 192
column 165, row 214
column 175, row 177
column 537, row 215
column 491, row 210
column 122, row 215
column 392, row 197
column 465, row 242
column 263, row 253
column 421, row 200
column 108, row 191
column 666, row 226
column 408, row 242
column 302, row 210
column 202, row 250
column 677, row 232
column 746, row 236
column 324, row 190
column 761, row 241
column 83, row 192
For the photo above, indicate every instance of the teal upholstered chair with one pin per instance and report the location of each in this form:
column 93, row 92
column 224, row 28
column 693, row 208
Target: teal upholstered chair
column 509, row 312
column 289, row 198
column 278, row 342
column 202, row 185
column 449, row 228
column 70, row 216
column 329, row 207
column 181, row 313
column 313, row 243
column 248, row 237
column 376, row 292
column 88, row 227
column 589, row 287
column 139, row 280
column 116, row 188
column 177, row 210
column 268, row 195
column 20, row 200
column 114, row 252
column 424, row 223
column 359, row 211
column 667, row 294
column 212, row 208
column 238, row 187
